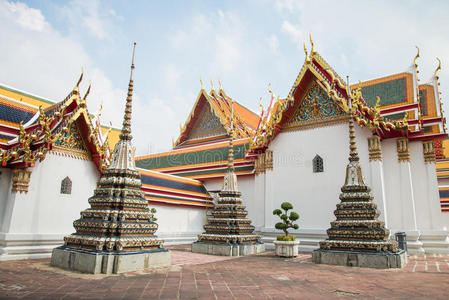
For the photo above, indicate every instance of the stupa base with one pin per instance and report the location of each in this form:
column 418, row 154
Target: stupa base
column 228, row 249
column 377, row 260
column 108, row 263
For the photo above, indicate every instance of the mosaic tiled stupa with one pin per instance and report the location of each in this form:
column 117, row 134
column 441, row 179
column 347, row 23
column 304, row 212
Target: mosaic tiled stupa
column 357, row 237
column 229, row 232
column 117, row 233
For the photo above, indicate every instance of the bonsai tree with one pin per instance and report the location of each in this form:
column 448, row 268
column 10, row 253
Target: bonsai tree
column 153, row 211
column 287, row 220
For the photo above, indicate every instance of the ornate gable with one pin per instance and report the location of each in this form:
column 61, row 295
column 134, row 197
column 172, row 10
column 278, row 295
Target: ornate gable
column 314, row 109
column 206, row 124
column 72, row 144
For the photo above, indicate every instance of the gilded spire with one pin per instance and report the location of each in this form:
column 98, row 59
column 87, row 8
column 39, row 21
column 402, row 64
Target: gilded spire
column 219, row 82
column 230, row 179
column 231, row 142
column 353, row 155
column 202, row 85
column 212, row 84
column 126, row 130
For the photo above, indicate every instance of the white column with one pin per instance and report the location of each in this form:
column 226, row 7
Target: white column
column 408, row 212
column 377, row 177
column 435, row 239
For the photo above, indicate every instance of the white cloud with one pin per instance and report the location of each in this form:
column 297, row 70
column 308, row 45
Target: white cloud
column 171, row 76
column 294, row 32
column 93, row 19
column 288, row 6
column 273, row 43
column 375, row 44
column 28, row 18
column 228, row 53
column 48, row 64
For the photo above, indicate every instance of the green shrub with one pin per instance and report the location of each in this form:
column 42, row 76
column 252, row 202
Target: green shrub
column 287, row 219
column 153, row 211
column 286, row 238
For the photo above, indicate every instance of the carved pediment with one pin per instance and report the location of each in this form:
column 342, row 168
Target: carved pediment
column 315, row 108
column 206, row 124
column 72, row 144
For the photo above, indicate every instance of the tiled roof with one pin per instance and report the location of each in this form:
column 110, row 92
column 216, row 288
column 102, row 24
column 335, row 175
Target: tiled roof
column 199, row 162
column 162, row 188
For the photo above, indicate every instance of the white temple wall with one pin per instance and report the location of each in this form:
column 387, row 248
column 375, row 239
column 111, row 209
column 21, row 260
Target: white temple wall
column 313, row 195
column 5, row 191
column 392, row 184
column 420, row 186
column 179, row 225
column 254, row 205
column 432, row 224
column 42, row 217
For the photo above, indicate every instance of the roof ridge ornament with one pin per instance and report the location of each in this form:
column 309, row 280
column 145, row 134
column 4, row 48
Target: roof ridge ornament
column 416, row 57
column 307, row 60
column 312, row 51
column 270, row 90
column 212, row 84
column 202, row 85
column 219, row 82
column 79, row 80
column 87, row 92
column 437, row 76
column 126, row 129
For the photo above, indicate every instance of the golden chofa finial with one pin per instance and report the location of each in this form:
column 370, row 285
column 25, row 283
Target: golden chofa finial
column 416, row 57
column 219, row 82
column 438, row 69
column 80, row 79
column 260, row 104
column 312, row 51
column 202, row 85
column 269, row 90
column 100, row 110
column 307, row 54
column 212, row 84
column 87, row 92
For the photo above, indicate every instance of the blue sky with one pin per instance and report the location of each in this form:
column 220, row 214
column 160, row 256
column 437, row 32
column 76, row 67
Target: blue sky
column 247, row 44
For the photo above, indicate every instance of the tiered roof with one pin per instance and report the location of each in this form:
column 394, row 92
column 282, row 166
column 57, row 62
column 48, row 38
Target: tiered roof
column 201, row 150
column 397, row 93
column 160, row 188
column 219, row 104
column 28, row 133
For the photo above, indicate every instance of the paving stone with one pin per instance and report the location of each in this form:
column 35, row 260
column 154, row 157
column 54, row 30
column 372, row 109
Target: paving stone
column 263, row 276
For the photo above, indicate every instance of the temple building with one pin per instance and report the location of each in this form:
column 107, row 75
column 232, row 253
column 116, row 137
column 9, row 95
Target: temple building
column 52, row 155
column 294, row 151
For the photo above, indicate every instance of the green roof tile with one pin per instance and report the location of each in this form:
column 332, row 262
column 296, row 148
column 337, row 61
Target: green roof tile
column 390, row 92
column 190, row 158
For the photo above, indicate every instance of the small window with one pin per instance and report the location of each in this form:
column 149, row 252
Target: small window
column 66, row 186
column 317, row 164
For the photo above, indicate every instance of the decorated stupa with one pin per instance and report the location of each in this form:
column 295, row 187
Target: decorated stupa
column 357, row 237
column 117, row 233
column 228, row 231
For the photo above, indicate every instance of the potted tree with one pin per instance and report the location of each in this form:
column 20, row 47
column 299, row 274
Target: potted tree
column 286, row 245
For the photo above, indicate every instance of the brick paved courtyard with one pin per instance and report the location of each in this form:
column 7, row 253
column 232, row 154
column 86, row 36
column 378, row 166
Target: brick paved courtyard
column 198, row 276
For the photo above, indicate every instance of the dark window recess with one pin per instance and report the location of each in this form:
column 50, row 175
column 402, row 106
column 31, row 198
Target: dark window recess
column 66, row 186
column 317, row 164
